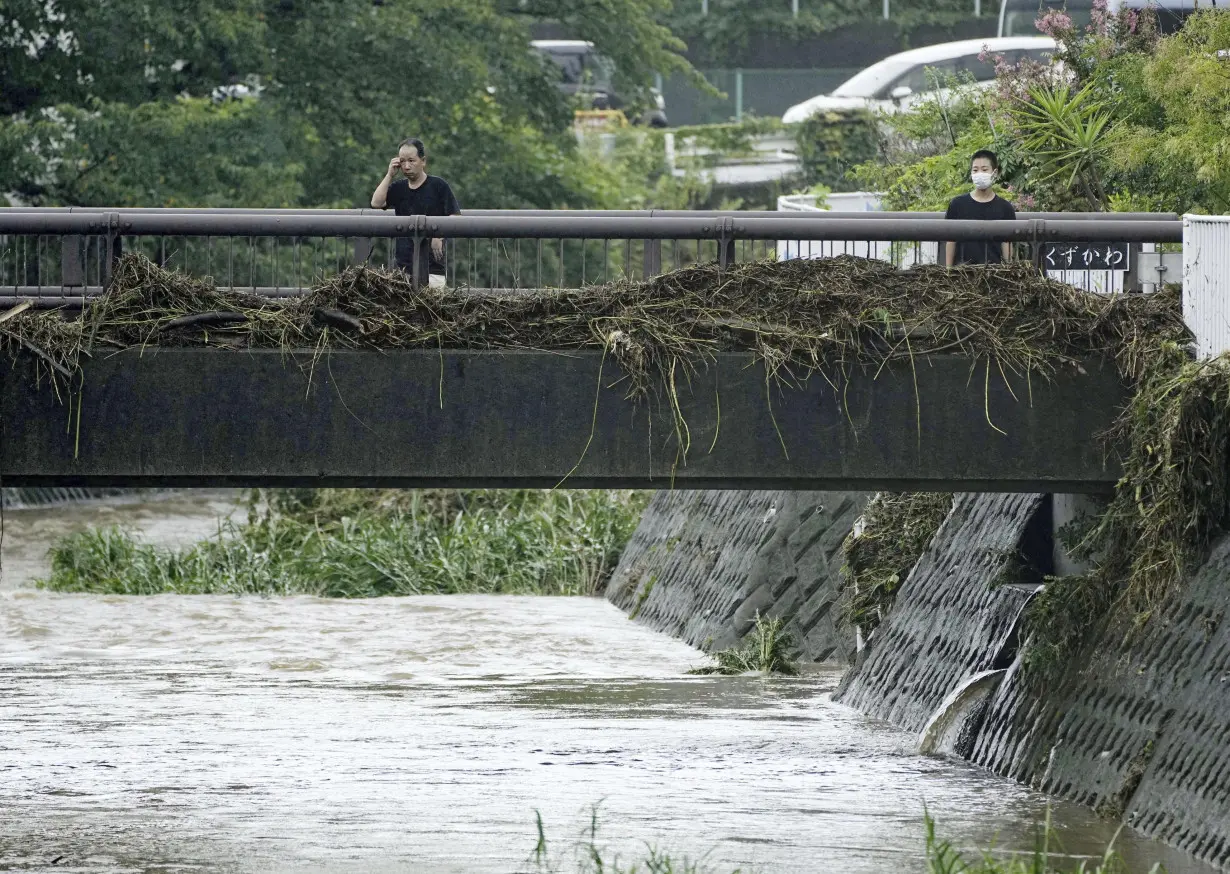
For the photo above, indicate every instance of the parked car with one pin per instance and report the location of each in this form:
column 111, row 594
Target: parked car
column 1017, row 17
column 900, row 81
column 589, row 76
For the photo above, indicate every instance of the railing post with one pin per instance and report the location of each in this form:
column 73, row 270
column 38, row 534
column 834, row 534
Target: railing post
column 726, row 243
column 416, row 281
column 1035, row 253
column 653, row 258
column 419, row 225
column 1131, row 276
column 362, row 250
column 115, row 247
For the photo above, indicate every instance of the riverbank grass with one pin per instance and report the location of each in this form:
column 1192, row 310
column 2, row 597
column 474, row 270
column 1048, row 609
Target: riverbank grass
column 588, row 855
column 1046, row 857
column 353, row 543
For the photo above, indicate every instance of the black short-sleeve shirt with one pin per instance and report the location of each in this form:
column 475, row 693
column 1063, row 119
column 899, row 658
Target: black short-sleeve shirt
column 433, row 197
column 966, row 208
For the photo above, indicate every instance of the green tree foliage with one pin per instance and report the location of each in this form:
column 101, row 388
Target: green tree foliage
column 1131, row 121
column 635, row 34
column 121, row 101
column 184, row 152
column 64, row 52
column 1174, row 151
column 830, row 144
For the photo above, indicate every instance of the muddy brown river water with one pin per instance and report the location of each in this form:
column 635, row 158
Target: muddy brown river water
column 219, row 734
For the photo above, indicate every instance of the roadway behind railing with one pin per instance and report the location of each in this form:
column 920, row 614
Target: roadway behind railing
column 61, row 256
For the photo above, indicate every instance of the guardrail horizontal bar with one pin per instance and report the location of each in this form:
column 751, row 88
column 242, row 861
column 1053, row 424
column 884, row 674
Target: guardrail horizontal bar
column 75, row 297
column 823, row 227
column 597, row 213
column 74, row 294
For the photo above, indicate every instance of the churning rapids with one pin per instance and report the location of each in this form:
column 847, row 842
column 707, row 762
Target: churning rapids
column 209, row 734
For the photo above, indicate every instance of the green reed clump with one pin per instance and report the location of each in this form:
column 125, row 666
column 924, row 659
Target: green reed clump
column 895, row 529
column 1045, row 858
column 365, row 543
column 769, row 648
column 590, row 856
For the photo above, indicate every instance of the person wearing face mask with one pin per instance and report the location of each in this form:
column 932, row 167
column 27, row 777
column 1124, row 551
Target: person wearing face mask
column 981, row 204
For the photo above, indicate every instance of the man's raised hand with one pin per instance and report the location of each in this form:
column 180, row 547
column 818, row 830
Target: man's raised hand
column 394, row 166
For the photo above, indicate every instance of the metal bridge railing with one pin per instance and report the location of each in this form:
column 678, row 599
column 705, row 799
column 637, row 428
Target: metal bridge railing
column 63, row 256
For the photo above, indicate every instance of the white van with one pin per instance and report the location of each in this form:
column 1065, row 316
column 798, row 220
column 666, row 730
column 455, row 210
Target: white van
column 899, row 81
column 1016, row 17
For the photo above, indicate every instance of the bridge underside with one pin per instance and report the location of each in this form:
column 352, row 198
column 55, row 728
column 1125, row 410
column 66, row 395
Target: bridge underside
column 210, row 417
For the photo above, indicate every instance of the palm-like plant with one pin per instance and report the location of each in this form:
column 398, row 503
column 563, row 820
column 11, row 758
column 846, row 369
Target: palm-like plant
column 1070, row 133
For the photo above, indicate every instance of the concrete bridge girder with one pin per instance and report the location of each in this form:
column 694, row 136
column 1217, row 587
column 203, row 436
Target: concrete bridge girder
column 472, row 418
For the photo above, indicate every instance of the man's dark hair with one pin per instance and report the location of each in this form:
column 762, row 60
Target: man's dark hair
column 981, row 153
column 417, row 143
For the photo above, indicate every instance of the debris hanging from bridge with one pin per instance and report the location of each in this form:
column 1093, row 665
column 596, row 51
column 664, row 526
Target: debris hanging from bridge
column 799, row 316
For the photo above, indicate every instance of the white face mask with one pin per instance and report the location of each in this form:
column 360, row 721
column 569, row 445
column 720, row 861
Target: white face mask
column 982, row 181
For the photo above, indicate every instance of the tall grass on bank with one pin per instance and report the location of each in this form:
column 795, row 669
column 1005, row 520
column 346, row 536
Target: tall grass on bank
column 590, row 856
column 943, row 858
column 352, row 543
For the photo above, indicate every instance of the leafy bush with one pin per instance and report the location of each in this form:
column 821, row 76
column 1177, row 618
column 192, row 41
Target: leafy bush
column 1131, row 120
column 831, row 144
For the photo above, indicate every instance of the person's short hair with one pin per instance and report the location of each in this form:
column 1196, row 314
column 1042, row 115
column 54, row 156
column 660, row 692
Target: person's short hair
column 988, row 154
column 416, row 142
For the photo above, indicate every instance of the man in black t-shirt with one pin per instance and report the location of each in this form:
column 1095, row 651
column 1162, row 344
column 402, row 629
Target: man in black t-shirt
column 416, row 194
column 981, row 204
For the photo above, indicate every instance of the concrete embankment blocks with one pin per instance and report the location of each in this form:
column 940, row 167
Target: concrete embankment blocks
column 948, row 621
column 703, row 563
column 1136, row 727
column 1140, row 730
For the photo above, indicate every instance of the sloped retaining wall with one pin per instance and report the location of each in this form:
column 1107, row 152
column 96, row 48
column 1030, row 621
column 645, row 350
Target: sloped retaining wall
column 703, row 563
column 947, row 623
column 1139, row 730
